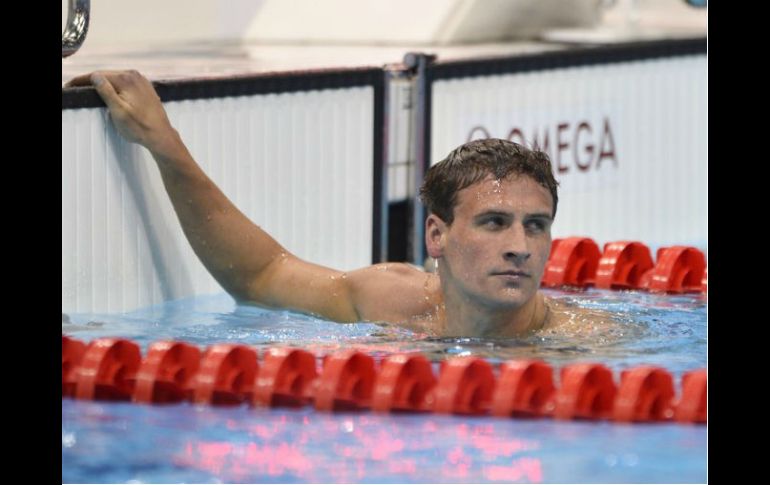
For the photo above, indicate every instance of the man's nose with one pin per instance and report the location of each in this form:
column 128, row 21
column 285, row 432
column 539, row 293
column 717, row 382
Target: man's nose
column 516, row 247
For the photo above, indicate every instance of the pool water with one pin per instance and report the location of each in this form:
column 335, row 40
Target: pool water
column 123, row 442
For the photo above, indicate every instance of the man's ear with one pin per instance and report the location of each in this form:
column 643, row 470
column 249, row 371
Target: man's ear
column 435, row 234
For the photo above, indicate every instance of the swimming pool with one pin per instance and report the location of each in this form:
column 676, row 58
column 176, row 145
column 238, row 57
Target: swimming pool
column 122, row 442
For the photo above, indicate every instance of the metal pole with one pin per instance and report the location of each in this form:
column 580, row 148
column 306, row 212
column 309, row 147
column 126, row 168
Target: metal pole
column 418, row 63
column 74, row 34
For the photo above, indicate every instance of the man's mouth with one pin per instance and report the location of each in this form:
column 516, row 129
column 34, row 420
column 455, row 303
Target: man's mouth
column 512, row 274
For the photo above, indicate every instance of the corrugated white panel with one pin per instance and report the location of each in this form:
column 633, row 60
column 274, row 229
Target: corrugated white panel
column 628, row 141
column 299, row 165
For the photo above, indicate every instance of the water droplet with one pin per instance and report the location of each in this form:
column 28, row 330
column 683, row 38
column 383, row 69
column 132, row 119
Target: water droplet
column 68, row 440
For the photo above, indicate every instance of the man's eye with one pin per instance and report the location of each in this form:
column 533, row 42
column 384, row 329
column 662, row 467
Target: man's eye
column 536, row 225
column 494, row 222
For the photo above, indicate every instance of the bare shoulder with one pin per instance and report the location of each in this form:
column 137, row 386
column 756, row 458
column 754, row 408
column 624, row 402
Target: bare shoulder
column 569, row 318
column 393, row 292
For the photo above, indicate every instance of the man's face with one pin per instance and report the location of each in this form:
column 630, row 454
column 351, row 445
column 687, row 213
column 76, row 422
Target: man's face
column 495, row 250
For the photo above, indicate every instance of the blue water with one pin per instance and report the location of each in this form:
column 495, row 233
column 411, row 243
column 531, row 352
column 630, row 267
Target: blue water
column 122, row 442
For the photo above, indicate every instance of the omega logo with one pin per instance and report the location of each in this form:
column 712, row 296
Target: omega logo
column 568, row 145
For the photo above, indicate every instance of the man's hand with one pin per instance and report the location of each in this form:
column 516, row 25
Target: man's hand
column 134, row 107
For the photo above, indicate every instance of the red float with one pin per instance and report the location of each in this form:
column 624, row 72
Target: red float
column 645, row 394
column 346, row 382
column 107, row 369
column 622, row 265
column 692, row 405
column 403, row 383
column 573, row 262
column 285, row 378
column 166, row 373
column 678, row 269
column 524, row 389
column 464, row 386
column 587, row 391
column 71, row 354
column 226, row 375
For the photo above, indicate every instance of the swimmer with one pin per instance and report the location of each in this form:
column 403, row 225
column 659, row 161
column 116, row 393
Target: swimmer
column 491, row 205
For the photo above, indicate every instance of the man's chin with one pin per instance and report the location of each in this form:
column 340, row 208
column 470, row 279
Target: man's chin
column 508, row 300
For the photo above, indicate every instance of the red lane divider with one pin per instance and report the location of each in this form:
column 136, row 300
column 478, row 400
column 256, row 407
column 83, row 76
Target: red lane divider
column 346, row 382
column 227, row 374
column 678, row 269
column 645, row 394
column 403, row 384
column 577, row 262
column 71, row 354
column 691, row 408
column 622, row 265
column 464, row 386
column 107, row 369
column 286, row 378
column 525, row 389
column 166, row 373
column 573, row 262
column 587, row 392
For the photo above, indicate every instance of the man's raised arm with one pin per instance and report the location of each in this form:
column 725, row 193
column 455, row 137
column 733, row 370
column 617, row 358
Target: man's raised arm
column 244, row 259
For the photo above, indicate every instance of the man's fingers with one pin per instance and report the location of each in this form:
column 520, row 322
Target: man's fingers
column 82, row 80
column 106, row 91
column 87, row 79
column 103, row 86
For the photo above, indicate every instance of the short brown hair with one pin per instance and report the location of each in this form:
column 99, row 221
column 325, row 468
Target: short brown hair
column 476, row 160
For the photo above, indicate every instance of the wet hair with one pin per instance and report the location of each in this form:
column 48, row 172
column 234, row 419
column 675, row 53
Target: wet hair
column 476, row 160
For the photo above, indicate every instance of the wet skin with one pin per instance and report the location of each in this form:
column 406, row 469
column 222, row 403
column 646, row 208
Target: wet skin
column 492, row 256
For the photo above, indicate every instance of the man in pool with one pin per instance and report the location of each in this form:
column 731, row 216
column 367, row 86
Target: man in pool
column 491, row 205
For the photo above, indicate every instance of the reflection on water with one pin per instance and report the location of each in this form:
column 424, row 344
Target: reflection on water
column 122, row 442
column 664, row 330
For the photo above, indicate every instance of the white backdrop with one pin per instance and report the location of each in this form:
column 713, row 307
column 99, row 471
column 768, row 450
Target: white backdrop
column 628, row 142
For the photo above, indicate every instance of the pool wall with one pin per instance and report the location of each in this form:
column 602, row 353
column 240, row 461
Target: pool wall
column 300, row 157
column 322, row 159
